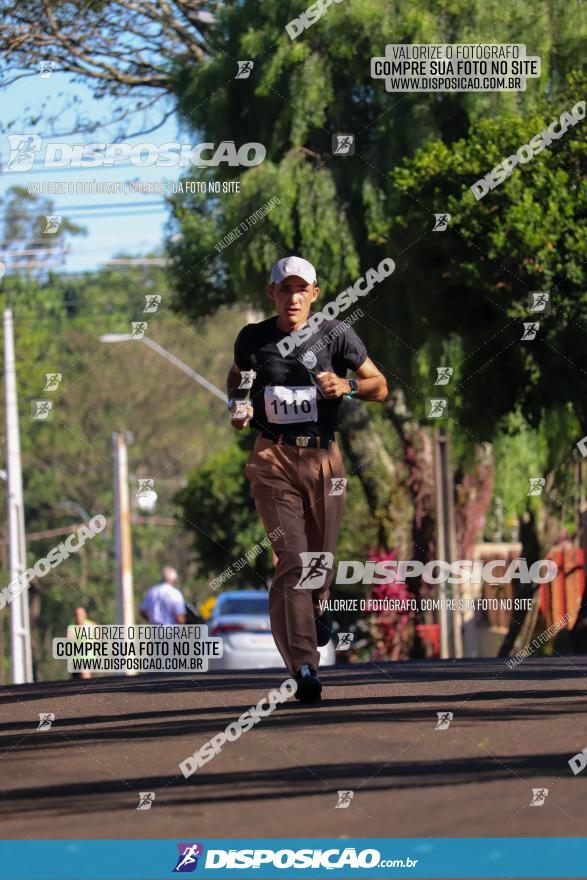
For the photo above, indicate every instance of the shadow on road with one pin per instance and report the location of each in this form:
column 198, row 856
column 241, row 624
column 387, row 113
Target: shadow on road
column 379, row 698
column 156, row 724
column 287, row 783
column 543, row 669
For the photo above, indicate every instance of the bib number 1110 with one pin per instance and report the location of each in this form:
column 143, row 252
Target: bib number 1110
column 290, row 404
column 282, row 406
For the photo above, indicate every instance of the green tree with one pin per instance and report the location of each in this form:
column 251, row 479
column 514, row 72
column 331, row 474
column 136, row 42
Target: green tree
column 174, row 423
column 340, row 212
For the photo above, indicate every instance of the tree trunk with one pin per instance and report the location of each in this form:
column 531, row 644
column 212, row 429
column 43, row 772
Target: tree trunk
column 382, row 477
column 523, row 622
column 418, row 454
column 473, row 493
column 34, row 600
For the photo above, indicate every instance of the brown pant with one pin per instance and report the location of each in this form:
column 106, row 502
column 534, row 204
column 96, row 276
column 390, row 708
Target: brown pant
column 291, row 487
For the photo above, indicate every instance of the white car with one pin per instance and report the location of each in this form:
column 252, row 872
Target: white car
column 241, row 619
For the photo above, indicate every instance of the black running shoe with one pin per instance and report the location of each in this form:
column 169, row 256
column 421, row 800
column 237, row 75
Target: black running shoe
column 323, row 628
column 309, row 685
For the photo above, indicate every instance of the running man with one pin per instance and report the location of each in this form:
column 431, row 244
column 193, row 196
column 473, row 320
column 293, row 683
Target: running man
column 294, row 403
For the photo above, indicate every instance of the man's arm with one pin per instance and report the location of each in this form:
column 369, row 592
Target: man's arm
column 371, row 383
column 143, row 615
column 180, row 610
column 233, row 381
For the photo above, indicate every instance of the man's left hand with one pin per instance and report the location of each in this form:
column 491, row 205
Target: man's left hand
column 332, row 385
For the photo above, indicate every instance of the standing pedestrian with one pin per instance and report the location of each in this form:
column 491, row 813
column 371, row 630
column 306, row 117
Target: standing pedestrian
column 164, row 603
column 296, row 468
column 74, row 635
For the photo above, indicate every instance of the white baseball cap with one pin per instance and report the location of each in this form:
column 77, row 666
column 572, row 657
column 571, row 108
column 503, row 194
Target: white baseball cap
column 293, row 266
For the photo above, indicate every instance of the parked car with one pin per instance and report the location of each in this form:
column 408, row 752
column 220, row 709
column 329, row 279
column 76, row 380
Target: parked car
column 241, row 619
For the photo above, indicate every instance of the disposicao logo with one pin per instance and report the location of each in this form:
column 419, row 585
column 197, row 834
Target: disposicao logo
column 187, row 860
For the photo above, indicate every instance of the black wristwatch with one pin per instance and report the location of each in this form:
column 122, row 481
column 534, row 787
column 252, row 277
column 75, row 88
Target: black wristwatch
column 354, row 388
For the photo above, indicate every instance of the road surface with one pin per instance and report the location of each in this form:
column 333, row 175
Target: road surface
column 374, row 734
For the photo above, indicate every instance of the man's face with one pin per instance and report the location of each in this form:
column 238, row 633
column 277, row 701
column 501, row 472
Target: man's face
column 292, row 298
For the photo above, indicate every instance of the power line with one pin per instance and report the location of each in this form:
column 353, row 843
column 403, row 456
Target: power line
column 68, row 169
column 132, row 213
column 152, row 243
column 78, row 272
column 70, row 208
column 66, row 530
column 38, row 167
column 44, row 240
column 138, row 261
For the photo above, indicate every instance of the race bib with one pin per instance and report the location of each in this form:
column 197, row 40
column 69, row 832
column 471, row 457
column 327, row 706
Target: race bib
column 294, row 404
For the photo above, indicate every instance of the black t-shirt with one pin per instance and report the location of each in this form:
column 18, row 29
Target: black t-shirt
column 278, row 407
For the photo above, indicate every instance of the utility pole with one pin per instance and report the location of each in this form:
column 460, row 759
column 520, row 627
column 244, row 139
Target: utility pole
column 21, row 661
column 123, row 547
column 451, row 637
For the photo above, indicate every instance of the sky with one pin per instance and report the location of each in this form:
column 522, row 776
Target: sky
column 115, row 222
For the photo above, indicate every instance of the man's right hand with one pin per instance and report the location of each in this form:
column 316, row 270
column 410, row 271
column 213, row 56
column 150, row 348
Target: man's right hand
column 240, row 416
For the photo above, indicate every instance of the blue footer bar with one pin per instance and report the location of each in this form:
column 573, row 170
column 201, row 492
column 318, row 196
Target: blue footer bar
column 501, row 857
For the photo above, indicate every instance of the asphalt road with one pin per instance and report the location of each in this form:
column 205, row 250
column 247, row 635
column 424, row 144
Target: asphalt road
column 374, row 734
